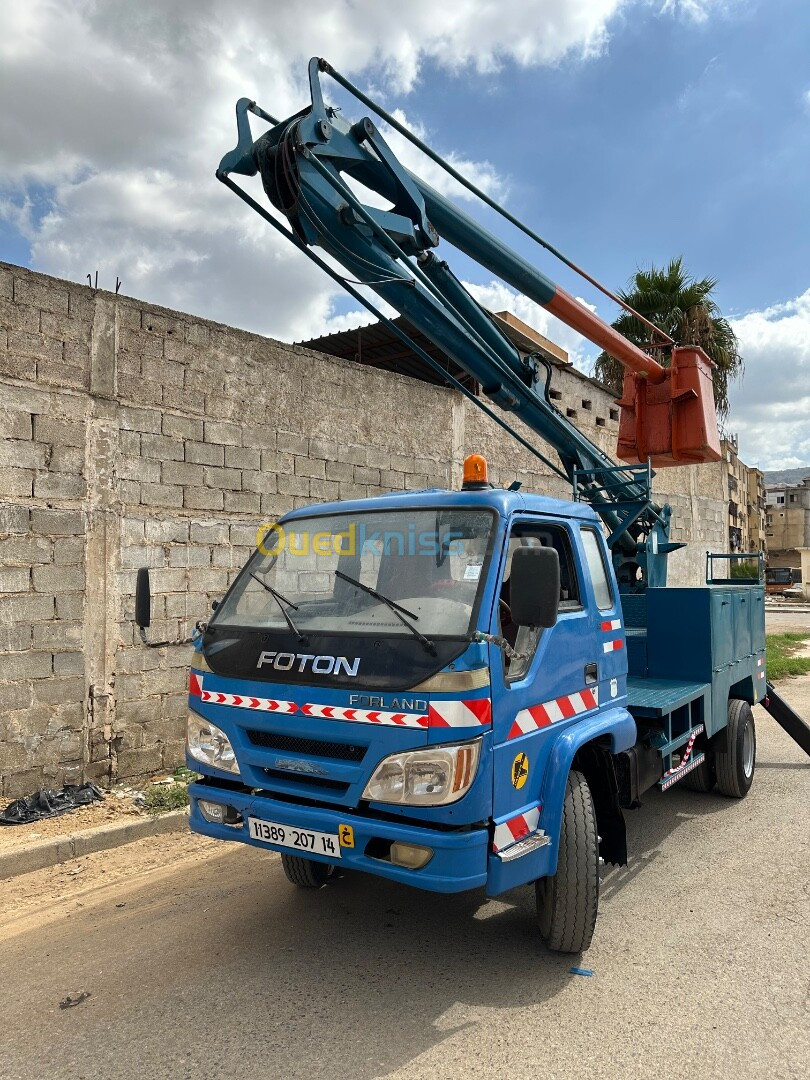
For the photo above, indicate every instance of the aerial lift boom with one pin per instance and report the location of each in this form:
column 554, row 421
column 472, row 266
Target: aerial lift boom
column 307, row 164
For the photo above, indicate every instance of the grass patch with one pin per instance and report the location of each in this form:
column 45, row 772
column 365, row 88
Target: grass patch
column 185, row 776
column 160, row 798
column 780, row 655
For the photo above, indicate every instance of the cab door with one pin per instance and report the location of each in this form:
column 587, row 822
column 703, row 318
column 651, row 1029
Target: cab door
column 608, row 627
column 551, row 681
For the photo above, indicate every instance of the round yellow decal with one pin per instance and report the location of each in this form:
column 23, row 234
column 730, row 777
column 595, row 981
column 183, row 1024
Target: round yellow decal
column 520, row 771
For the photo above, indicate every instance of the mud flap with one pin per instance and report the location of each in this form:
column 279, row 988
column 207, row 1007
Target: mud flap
column 600, row 772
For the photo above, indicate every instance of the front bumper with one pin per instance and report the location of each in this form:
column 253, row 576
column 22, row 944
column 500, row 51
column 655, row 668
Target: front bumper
column 459, row 859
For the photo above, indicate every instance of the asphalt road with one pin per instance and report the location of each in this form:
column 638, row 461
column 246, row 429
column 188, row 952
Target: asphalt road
column 779, row 621
column 203, row 962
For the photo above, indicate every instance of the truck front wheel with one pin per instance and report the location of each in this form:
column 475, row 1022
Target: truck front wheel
column 567, row 902
column 306, row 873
column 735, row 764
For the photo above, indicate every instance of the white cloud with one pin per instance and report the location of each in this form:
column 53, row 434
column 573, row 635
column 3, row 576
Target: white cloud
column 122, row 111
column 770, row 408
column 498, row 297
column 481, row 173
column 698, row 11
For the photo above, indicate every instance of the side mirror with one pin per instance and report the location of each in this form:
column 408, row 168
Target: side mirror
column 143, row 599
column 534, row 586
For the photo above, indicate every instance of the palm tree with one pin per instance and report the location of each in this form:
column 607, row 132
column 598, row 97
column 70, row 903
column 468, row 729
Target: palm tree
column 683, row 308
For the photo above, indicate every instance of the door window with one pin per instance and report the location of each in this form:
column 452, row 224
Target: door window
column 524, row 639
column 598, row 571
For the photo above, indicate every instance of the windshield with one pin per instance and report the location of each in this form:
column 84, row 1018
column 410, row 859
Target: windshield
column 430, row 563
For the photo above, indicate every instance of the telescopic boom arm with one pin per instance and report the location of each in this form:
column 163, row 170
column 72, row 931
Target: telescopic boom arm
column 307, row 164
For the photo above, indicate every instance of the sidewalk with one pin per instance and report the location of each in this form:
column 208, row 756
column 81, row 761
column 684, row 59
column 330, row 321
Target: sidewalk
column 57, row 849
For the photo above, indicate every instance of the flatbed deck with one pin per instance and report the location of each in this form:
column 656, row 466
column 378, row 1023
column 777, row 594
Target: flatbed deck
column 658, row 697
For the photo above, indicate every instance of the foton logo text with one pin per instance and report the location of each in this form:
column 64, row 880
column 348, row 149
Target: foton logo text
column 318, row 665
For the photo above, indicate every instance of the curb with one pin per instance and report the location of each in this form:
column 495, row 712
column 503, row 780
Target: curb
column 44, row 853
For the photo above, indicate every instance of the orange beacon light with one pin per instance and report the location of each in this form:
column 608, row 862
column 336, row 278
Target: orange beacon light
column 475, row 473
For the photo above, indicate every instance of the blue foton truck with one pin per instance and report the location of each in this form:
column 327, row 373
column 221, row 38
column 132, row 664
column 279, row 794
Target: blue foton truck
column 465, row 689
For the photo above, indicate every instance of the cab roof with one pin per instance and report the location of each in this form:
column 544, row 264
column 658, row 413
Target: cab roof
column 505, row 503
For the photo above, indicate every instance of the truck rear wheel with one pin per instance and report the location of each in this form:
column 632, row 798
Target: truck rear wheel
column 306, row 873
column 567, row 902
column 735, row 764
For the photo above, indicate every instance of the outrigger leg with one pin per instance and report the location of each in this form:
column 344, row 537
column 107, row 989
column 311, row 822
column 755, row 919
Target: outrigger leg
column 796, row 727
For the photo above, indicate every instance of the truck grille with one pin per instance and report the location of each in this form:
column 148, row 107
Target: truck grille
column 294, row 744
column 322, row 782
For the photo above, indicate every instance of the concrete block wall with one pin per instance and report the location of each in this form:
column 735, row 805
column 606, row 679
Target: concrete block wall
column 133, row 435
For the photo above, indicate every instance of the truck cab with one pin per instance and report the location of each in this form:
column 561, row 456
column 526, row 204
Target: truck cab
column 400, row 685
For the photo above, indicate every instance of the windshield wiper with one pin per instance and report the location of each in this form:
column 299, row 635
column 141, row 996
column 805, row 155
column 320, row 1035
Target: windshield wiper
column 397, row 609
column 281, row 601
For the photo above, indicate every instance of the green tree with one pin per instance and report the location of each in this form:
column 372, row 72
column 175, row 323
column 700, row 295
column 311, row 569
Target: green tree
column 683, row 308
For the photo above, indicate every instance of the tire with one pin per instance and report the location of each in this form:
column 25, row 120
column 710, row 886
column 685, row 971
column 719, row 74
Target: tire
column 736, row 763
column 704, row 777
column 567, row 903
column 306, row 873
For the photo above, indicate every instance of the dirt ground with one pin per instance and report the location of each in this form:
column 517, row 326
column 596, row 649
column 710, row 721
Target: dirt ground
column 35, row 899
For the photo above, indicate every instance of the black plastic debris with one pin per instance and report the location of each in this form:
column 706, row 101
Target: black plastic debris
column 74, row 999
column 48, row 803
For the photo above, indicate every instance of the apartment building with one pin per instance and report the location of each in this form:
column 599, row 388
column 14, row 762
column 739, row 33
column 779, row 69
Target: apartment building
column 746, row 501
column 788, row 522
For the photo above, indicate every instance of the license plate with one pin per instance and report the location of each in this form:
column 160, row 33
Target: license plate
column 287, row 836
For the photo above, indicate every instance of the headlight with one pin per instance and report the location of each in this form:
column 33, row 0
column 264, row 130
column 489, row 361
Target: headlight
column 433, row 777
column 207, row 743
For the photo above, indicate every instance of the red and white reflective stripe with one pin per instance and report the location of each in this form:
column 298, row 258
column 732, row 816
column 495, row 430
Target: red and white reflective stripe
column 612, row 646
column 477, row 713
column 516, row 828
column 760, row 674
column 561, row 708
column 667, row 781
column 245, row 701
column 687, row 752
column 366, row 716
column 611, row 624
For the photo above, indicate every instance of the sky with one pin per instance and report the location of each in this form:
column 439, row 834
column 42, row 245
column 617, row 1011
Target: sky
column 623, row 131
